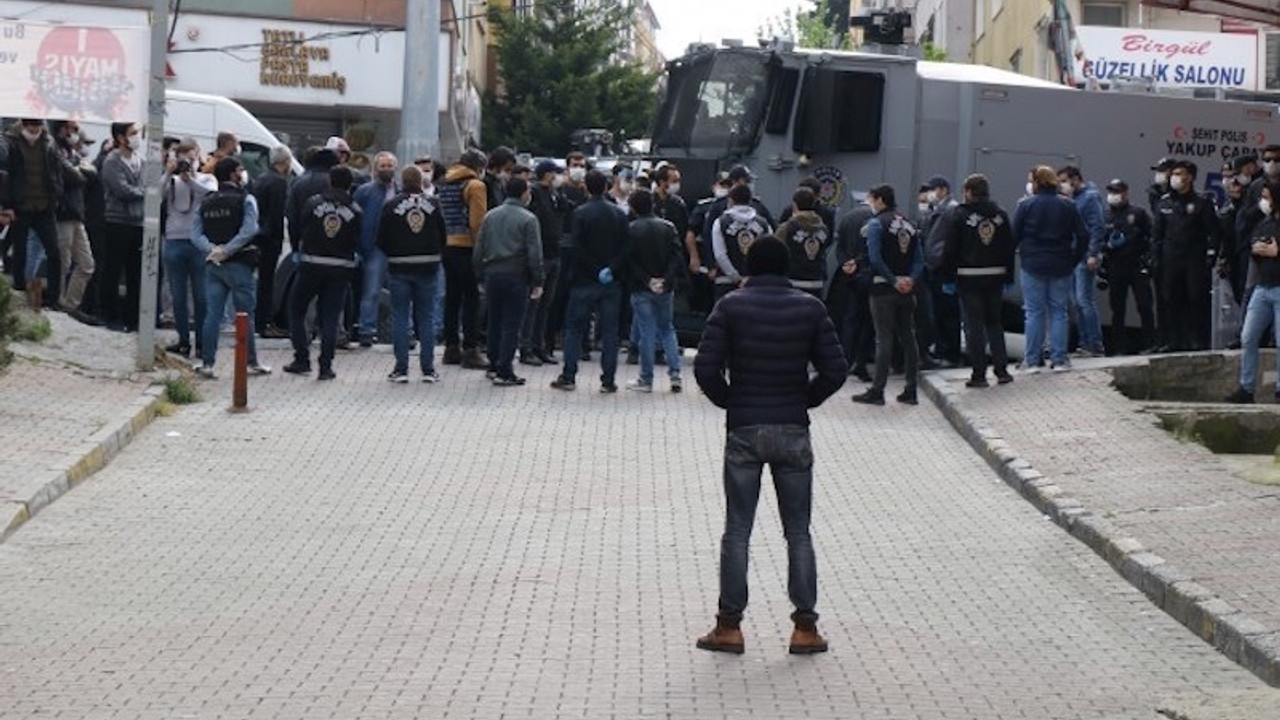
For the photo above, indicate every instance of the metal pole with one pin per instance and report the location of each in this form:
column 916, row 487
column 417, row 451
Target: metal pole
column 420, row 105
column 240, row 370
column 153, row 166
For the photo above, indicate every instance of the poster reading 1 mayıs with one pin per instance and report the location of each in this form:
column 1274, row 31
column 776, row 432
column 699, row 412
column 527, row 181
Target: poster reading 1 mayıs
column 91, row 74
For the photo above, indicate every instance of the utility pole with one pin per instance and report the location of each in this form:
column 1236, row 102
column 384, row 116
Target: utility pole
column 420, row 105
column 152, row 168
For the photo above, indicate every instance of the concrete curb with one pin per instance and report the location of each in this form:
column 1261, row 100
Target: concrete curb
column 90, row 457
column 1245, row 641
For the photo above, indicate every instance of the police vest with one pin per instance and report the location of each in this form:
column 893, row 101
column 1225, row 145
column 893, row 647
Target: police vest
column 899, row 241
column 738, row 235
column 981, row 256
column 331, row 230
column 222, row 214
column 457, row 215
column 807, row 237
column 410, row 238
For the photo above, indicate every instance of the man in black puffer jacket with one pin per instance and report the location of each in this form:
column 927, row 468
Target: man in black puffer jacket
column 764, row 336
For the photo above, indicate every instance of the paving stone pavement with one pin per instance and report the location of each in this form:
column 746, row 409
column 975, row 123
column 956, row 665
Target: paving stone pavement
column 357, row 549
column 1178, row 500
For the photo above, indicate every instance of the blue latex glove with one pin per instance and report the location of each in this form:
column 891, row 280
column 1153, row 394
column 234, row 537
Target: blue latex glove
column 949, row 288
column 606, row 275
column 1008, row 288
column 296, row 257
column 1117, row 241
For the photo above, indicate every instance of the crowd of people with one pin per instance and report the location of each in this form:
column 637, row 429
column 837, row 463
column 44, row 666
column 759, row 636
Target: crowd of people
column 504, row 264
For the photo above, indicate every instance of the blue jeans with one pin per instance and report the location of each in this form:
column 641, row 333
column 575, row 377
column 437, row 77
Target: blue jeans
column 1263, row 310
column 1045, row 301
column 234, row 279
column 437, row 319
column 1082, row 294
column 605, row 300
column 374, row 276
column 418, row 290
column 789, row 454
column 184, row 266
column 651, row 316
column 507, row 294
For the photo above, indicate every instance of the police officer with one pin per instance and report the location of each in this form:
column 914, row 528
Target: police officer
column 1126, row 243
column 1185, row 232
column 225, row 227
column 807, row 239
column 897, row 267
column 857, row 332
column 1160, row 182
column 738, row 175
column 732, row 235
column 976, row 264
column 330, row 232
column 697, row 245
column 411, row 233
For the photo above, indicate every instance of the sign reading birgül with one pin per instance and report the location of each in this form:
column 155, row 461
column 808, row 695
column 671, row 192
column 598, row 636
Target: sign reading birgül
column 60, row 72
column 1169, row 58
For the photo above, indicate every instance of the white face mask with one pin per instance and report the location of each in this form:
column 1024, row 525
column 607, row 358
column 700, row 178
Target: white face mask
column 1265, row 206
column 73, row 139
column 923, row 208
column 577, row 174
column 30, row 135
column 1161, row 178
column 673, row 188
column 1031, row 189
column 931, row 197
column 1066, row 189
column 135, row 142
column 557, row 180
column 1114, row 199
column 1271, row 168
column 243, row 177
column 1176, row 182
column 720, row 192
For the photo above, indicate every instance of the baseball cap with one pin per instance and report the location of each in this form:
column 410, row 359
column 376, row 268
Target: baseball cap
column 337, row 145
column 1118, row 185
column 545, row 166
column 937, row 181
column 1240, row 161
column 1191, row 168
column 741, row 172
column 1164, row 163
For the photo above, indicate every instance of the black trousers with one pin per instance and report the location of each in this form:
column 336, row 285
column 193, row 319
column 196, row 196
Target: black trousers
column 45, row 223
column 1185, row 294
column 858, row 329
column 123, row 254
column 329, row 286
column 1123, row 281
column 269, row 250
column 461, row 297
column 946, row 322
column 983, row 327
column 894, row 317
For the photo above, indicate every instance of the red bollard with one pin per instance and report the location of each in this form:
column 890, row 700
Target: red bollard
column 240, row 377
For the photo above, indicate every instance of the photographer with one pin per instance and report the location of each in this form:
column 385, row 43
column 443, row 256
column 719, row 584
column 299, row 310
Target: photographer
column 1264, row 303
column 1126, row 242
column 184, row 265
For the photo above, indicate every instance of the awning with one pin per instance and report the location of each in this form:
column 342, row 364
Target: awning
column 1262, row 11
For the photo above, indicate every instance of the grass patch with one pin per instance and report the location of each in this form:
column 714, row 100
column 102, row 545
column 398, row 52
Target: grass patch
column 180, row 390
column 31, row 327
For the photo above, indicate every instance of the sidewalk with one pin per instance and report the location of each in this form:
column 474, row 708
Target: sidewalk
column 1169, row 516
column 67, row 406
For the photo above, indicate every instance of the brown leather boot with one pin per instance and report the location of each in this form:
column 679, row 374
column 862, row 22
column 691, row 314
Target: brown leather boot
column 725, row 637
column 805, row 639
column 35, row 294
column 473, row 359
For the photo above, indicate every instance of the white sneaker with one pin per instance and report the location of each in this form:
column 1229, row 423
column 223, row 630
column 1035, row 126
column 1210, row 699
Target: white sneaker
column 639, row 386
column 1064, row 367
column 206, row 372
column 259, row 369
column 430, row 376
column 1033, row 369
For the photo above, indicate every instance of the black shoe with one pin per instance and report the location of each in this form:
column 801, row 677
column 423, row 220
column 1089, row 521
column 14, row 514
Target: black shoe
column 563, row 383
column 861, row 373
column 546, row 356
column 1240, row 397
column 271, row 332
column 585, row 356
column 508, row 381
column 366, row 342
column 85, row 317
column 633, row 357
column 1234, row 345
column 297, row 368
column 928, row 364
column 452, row 355
column 870, row 397
column 977, row 382
column 528, row 357
column 326, row 374
column 179, row 348
column 608, row 388
column 1004, row 378
column 908, row 397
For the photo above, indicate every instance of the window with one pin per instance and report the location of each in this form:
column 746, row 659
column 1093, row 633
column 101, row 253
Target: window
column 1107, row 14
column 840, row 111
column 979, row 18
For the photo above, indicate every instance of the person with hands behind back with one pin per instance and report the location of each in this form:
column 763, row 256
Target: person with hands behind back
column 1264, row 303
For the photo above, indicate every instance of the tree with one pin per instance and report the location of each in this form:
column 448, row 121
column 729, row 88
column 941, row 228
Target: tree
column 816, row 28
column 557, row 76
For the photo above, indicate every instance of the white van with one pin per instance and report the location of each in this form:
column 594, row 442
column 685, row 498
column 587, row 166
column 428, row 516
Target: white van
column 202, row 117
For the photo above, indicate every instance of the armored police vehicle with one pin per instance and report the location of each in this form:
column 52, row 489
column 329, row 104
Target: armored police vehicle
column 852, row 120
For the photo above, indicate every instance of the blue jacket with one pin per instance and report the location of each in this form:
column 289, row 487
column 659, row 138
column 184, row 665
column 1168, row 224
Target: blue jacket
column 1050, row 234
column 1093, row 211
column 756, row 349
column 371, row 196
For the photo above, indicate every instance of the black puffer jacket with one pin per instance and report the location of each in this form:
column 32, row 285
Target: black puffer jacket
column 755, row 353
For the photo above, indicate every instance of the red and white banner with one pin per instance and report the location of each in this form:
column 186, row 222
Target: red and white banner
column 91, row 74
column 1168, row 58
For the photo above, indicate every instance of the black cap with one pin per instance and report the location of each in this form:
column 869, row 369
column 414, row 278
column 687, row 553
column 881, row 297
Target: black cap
column 937, row 181
column 741, row 172
column 1192, row 169
column 924, row 189
column 1164, row 163
column 1118, row 185
column 1240, row 161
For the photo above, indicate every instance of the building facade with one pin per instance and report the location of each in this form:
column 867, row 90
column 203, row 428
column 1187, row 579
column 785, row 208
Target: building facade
column 946, row 25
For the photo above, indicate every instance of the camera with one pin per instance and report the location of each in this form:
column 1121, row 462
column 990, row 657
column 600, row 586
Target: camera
column 883, row 26
column 183, row 167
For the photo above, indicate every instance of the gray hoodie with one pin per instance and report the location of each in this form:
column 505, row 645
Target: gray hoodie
column 122, row 188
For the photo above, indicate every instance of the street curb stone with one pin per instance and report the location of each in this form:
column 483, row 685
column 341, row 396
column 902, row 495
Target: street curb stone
column 1219, row 623
column 89, row 458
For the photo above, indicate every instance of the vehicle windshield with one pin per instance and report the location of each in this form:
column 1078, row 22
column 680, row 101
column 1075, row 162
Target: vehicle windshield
column 715, row 101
